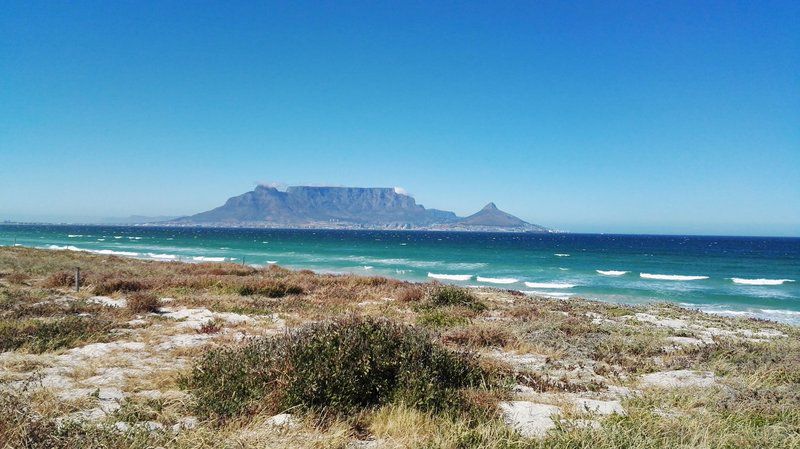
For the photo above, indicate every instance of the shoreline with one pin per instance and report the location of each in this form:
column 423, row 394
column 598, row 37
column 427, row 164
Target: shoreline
column 558, row 291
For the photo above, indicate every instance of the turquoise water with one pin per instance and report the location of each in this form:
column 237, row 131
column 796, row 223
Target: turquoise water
column 748, row 276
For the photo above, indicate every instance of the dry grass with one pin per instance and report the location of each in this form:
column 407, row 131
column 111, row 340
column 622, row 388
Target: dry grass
column 755, row 403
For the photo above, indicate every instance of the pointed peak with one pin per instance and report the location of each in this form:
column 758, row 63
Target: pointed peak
column 490, row 206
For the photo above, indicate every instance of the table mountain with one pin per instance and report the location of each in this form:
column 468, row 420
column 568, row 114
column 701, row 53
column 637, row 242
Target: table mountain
column 345, row 207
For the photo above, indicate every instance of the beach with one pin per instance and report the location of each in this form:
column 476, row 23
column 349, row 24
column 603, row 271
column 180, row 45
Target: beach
column 729, row 276
column 125, row 360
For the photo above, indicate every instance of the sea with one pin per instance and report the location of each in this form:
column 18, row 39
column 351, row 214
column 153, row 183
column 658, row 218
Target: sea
column 732, row 276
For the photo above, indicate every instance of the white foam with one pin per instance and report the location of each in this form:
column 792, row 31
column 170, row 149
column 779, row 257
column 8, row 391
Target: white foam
column 272, row 262
column 451, row 277
column 671, row 277
column 497, row 280
column 68, row 247
column 208, row 259
column 94, row 251
column 368, row 267
column 611, row 272
column 110, row 252
column 561, row 255
column 760, row 281
column 72, row 236
column 546, row 294
column 549, row 285
column 162, row 256
column 781, row 312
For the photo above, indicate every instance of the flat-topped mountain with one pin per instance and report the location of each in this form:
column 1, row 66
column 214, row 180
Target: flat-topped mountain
column 346, row 207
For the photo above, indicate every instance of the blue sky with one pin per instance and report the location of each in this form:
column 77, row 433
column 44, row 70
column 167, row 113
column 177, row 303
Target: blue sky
column 664, row 117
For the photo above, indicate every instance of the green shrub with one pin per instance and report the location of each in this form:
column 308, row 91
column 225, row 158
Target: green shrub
column 39, row 335
column 337, row 366
column 431, row 317
column 450, row 295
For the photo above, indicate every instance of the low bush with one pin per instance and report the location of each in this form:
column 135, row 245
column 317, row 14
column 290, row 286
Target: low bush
column 480, row 336
column 450, row 295
column 17, row 278
column 61, row 279
column 271, row 289
column 431, row 317
column 38, row 335
column 410, row 294
column 112, row 285
column 142, row 302
column 338, row 367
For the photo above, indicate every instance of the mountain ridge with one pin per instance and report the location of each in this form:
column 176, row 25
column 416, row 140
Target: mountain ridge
column 347, row 207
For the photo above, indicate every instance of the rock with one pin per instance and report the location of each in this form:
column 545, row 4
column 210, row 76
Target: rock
column 523, row 390
column 619, row 391
column 106, row 301
column 100, row 349
column 583, row 405
column 530, row 362
column 531, row 420
column 122, row 426
column 685, row 341
column 196, row 318
column 283, row 420
column 678, row 379
column 185, row 423
column 153, row 426
column 183, row 341
column 581, row 423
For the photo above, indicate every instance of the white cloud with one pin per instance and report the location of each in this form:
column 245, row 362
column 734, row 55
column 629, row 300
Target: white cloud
column 273, row 184
column 401, row 191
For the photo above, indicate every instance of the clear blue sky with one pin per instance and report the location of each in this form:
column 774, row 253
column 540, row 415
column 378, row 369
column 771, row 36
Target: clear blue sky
column 664, row 117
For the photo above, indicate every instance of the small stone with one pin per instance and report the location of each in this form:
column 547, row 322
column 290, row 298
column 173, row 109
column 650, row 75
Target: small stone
column 122, row 426
column 530, row 419
column 678, row 379
column 153, row 426
column 283, row 420
column 106, row 301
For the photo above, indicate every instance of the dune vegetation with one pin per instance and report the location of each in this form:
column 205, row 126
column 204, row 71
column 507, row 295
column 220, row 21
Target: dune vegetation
column 215, row 355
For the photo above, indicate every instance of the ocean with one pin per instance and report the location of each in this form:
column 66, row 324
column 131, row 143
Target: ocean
column 732, row 276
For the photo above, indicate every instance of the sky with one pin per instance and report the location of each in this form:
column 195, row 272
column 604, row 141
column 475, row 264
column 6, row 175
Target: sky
column 630, row 117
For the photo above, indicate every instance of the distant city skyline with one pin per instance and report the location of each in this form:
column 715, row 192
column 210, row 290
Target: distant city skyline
column 676, row 118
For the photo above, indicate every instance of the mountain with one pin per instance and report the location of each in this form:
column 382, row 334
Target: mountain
column 490, row 215
column 345, row 207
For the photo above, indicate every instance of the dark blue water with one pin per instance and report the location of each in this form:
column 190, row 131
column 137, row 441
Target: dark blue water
column 753, row 276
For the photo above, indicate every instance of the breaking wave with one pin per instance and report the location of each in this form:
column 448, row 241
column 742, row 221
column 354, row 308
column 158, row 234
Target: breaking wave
column 760, row 281
column 671, row 277
column 546, row 294
column 612, row 272
column 549, row 285
column 208, row 259
column 497, row 280
column 561, row 255
column 451, row 277
column 162, row 256
column 107, row 252
column 111, row 252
